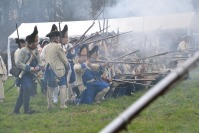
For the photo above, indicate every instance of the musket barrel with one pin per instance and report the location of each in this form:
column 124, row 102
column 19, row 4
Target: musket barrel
column 84, row 34
column 121, row 62
column 138, row 79
column 125, row 55
column 94, row 35
column 118, row 80
column 88, row 29
column 60, row 33
column 156, row 55
column 17, row 31
column 99, row 40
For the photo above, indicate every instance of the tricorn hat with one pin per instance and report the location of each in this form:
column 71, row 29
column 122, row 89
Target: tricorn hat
column 31, row 38
column 54, row 28
column 53, row 34
column 64, row 30
column 83, row 50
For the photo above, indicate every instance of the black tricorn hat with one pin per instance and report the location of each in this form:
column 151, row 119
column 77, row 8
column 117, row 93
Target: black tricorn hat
column 82, row 50
column 93, row 50
column 54, row 28
column 64, row 30
column 53, row 34
column 31, row 38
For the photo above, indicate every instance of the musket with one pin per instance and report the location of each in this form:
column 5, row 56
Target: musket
column 156, row 55
column 138, row 79
column 94, row 35
column 60, row 26
column 141, row 74
column 10, row 87
column 99, row 40
column 99, row 24
column 38, row 80
column 125, row 55
column 117, row 35
column 117, row 80
column 175, row 60
column 88, row 38
column 106, row 26
column 122, row 62
column 185, row 51
column 103, row 26
column 177, row 57
column 17, row 31
column 82, row 37
column 60, row 33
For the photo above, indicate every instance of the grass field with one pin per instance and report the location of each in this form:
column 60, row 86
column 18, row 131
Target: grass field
column 175, row 112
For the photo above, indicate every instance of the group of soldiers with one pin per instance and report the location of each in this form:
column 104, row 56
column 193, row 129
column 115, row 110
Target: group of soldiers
column 78, row 73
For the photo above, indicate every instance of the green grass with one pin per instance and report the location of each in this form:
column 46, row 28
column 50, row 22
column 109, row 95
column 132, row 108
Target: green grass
column 175, row 112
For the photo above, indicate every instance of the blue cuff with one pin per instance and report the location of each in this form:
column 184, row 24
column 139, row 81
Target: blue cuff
column 27, row 68
column 83, row 65
column 101, row 67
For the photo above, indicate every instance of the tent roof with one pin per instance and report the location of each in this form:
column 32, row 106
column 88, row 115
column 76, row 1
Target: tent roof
column 137, row 24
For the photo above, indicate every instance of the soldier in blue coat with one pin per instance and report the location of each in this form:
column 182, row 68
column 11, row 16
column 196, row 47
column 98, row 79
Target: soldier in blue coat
column 28, row 60
column 95, row 90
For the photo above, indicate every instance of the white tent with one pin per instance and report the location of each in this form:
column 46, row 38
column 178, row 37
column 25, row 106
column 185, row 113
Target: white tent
column 136, row 24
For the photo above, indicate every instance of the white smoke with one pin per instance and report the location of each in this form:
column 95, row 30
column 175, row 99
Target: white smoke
column 81, row 9
column 129, row 8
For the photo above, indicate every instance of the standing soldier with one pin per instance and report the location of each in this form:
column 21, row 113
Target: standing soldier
column 56, row 69
column 28, row 60
column 44, row 83
column 70, row 55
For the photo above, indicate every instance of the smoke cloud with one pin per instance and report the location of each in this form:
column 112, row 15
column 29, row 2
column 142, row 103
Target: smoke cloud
column 79, row 10
column 129, row 8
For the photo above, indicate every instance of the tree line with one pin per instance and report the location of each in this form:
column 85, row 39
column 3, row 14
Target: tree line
column 30, row 11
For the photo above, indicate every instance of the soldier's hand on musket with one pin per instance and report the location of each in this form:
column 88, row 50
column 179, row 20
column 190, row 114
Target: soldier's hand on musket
column 37, row 68
column 32, row 69
column 88, row 62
